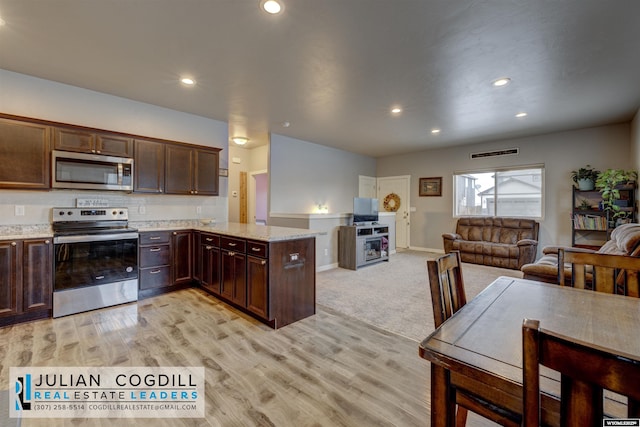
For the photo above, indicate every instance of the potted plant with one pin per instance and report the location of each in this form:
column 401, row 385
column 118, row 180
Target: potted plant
column 585, row 177
column 608, row 183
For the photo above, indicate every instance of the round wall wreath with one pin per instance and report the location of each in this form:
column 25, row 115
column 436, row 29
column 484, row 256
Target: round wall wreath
column 391, row 202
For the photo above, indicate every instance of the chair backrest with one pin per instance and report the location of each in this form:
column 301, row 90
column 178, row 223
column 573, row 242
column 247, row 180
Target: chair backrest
column 613, row 274
column 447, row 286
column 585, row 372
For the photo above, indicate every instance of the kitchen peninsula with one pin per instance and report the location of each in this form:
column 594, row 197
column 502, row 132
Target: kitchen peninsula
column 265, row 271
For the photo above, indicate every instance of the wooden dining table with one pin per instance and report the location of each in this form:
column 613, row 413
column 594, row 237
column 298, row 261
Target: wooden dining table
column 479, row 349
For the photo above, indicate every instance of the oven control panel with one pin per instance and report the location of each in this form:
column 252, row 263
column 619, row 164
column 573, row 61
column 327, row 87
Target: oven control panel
column 89, row 214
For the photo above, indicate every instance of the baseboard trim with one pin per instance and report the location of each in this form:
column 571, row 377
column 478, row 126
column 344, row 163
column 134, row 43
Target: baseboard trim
column 417, row 248
column 326, row 267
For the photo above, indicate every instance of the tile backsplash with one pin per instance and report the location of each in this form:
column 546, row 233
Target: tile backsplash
column 37, row 206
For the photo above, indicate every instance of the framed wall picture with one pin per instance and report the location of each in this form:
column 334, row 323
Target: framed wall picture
column 430, row 186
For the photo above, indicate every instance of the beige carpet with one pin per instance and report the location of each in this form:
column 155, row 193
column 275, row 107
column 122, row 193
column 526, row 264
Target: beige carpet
column 395, row 295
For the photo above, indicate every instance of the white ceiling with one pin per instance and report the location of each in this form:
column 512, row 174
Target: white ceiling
column 334, row 68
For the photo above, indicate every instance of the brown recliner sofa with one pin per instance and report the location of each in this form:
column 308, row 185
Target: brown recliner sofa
column 494, row 241
column 625, row 240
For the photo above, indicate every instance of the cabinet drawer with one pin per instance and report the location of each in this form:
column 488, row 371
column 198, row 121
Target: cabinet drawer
column 236, row 245
column 155, row 277
column 210, row 239
column 154, row 237
column 154, row 255
column 258, row 249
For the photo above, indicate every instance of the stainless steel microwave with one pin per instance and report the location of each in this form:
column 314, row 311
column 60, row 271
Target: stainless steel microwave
column 91, row 171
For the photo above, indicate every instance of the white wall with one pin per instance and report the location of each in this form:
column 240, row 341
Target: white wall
column 602, row 147
column 304, row 175
column 28, row 96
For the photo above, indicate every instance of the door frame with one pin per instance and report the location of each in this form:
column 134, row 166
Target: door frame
column 407, row 185
column 252, row 194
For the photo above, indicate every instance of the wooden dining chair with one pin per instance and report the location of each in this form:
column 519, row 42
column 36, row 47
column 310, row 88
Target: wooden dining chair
column 613, row 274
column 447, row 286
column 585, row 372
column 448, row 296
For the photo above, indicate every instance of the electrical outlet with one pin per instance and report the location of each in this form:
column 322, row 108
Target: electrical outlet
column 19, row 211
column 198, row 209
column 326, row 252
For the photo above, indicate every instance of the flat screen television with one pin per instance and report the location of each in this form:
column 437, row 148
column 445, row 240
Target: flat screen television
column 365, row 209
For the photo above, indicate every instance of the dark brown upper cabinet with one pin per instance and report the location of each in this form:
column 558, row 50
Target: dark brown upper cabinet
column 148, row 170
column 86, row 141
column 25, row 149
column 191, row 170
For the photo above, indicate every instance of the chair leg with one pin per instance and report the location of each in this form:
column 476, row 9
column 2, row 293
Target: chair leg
column 461, row 417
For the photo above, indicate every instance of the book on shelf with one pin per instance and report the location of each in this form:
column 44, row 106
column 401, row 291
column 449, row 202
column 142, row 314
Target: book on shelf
column 589, row 222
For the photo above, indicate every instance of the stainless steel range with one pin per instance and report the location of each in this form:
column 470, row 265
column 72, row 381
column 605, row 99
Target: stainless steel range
column 96, row 259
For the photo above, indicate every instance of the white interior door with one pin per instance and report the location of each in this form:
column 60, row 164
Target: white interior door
column 395, row 189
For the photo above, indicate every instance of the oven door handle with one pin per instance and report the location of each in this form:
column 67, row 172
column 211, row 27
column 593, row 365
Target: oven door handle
column 95, row 238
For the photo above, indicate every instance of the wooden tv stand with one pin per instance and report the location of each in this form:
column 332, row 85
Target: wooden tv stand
column 360, row 245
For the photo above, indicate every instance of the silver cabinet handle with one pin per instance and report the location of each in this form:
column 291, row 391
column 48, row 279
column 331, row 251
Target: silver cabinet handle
column 209, row 239
column 154, row 250
column 255, row 249
column 154, row 238
column 208, row 247
column 155, row 271
column 232, row 253
column 263, row 262
column 232, row 245
column 99, row 277
column 46, row 242
column 13, row 243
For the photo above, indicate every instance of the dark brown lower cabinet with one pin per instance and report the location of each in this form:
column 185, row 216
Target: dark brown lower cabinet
column 273, row 281
column 154, row 260
column 26, row 279
column 258, row 279
column 182, row 255
column 233, row 281
column 209, row 262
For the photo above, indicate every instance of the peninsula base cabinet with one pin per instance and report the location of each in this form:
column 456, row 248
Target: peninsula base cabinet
column 273, row 281
column 26, row 277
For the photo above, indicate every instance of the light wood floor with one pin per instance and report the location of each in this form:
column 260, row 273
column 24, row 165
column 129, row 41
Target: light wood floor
column 327, row 370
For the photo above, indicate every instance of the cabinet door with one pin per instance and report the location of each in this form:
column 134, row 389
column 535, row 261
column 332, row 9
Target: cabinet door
column 9, row 277
column 257, row 286
column 114, row 145
column 179, row 170
column 25, row 153
column 210, row 268
column 206, row 172
column 74, row 140
column 182, row 250
column 148, row 167
column 233, row 283
column 37, row 276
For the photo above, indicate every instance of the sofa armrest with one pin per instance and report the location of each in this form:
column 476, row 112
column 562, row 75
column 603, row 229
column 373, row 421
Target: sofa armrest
column 447, row 239
column 527, row 250
column 527, row 242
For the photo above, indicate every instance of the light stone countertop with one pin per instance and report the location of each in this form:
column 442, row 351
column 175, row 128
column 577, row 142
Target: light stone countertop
column 264, row 233
column 22, row 232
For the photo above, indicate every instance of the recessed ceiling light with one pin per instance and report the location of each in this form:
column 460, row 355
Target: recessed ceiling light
column 240, row 140
column 503, row 81
column 435, row 131
column 521, row 114
column 272, row 6
column 188, row 81
column 396, row 110
column 285, row 124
